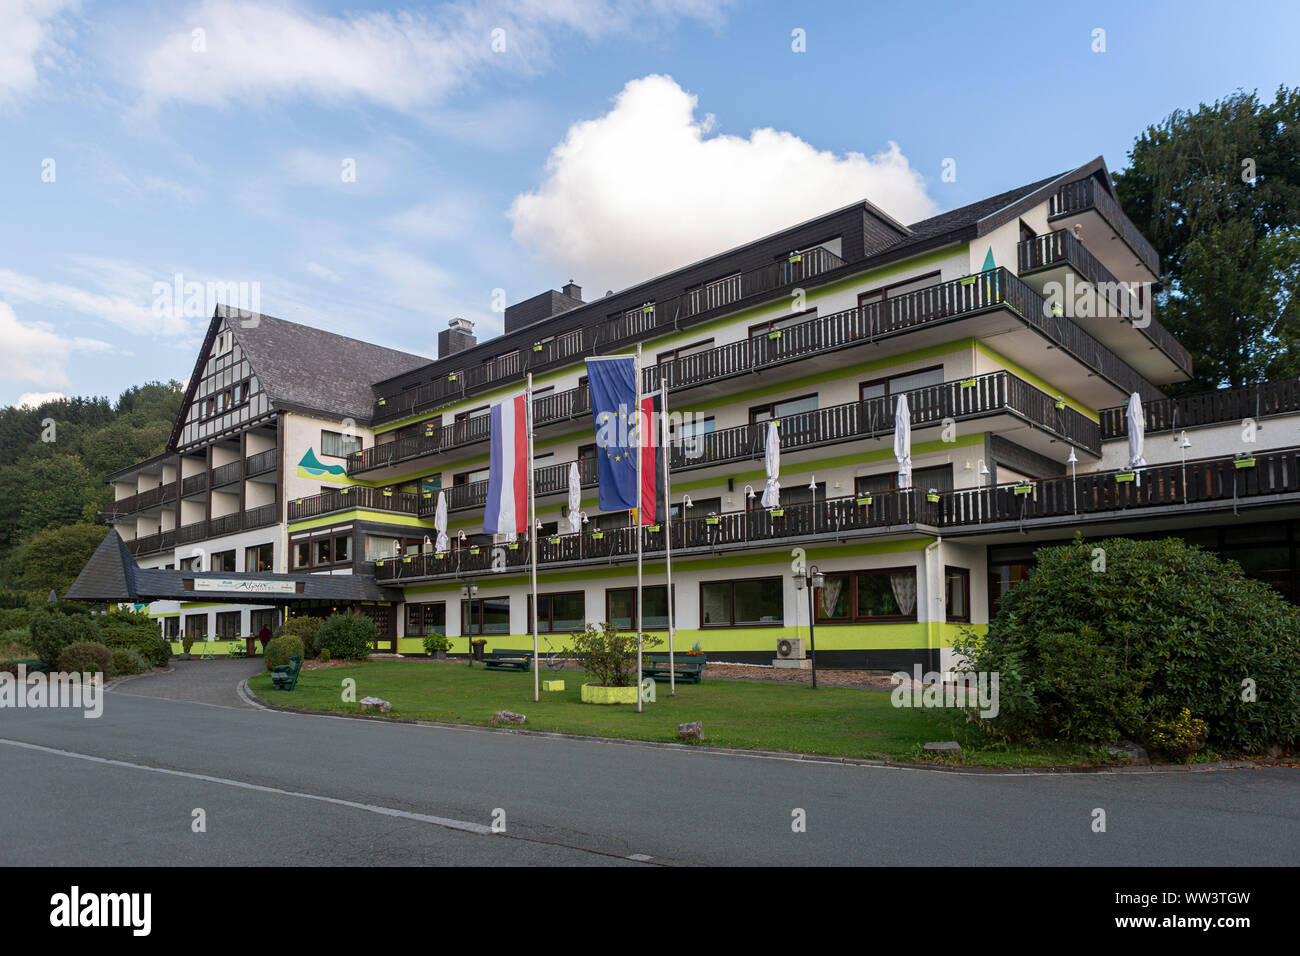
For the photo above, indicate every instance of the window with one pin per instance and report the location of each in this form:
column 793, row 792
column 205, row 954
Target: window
column 172, row 628
column 469, row 477
column 1003, row 577
column 338, row 445
column 301, row 554
column 259, row 619
column 749, row 602
column 196, row 626
column 324, row 551
column 620, row 607
column 881, row 296
column 193, row 563
column 684, row 351
column 700, row 508
column 260, row 557
column 425, row 619
column 223, row 561
column 956, row 591
column 764, row 329
column 711, row 295
column 884, row 595
column 485, row 616
column 887, row 387
column 343, row 549
column 795, row 493
column 560, row 612
column 782, row 409
column 227, row 625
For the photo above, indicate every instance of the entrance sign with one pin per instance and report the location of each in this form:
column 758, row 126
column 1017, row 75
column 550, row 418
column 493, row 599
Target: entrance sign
column 228, row 586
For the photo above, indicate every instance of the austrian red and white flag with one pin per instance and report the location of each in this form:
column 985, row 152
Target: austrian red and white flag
column 506, row 511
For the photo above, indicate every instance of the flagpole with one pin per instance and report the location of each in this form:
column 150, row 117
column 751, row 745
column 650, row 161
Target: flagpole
column 640, row 443
column 532, row 532
column 668, row 531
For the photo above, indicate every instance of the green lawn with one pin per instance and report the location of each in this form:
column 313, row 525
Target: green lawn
column 838, row 721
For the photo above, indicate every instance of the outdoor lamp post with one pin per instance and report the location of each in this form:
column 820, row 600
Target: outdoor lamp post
column 467, row 592
column 1184, row 444
column 1074, row 477
column 811, row 580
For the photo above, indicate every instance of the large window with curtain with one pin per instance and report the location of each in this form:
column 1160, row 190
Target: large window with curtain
column 849, row 597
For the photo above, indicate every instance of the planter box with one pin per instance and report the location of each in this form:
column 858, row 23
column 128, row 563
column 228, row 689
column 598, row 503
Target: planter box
column 1126, row 476
column 1243, row 463
column 1024, row 489
column 864, row 500
column 595, row 694
column 777, row 512
column 552, row 685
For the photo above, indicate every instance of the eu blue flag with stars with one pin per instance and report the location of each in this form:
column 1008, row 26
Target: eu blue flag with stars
column 612, row 382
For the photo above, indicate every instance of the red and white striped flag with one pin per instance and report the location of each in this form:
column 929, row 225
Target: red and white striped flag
column 506, row 511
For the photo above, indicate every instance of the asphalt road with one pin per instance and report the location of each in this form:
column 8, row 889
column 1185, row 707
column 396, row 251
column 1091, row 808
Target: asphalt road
column 299, row 789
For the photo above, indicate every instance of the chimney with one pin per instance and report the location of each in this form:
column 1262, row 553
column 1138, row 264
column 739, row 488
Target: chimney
column 458, row 337
column 573, row 291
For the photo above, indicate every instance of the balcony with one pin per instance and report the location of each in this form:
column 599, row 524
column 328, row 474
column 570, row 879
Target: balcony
column 253, row 518
column 1207, row 408
column 194, row 485
column 143, row 500
column 1205, row 484
column 350, row 498
column 227, row 474
column 1085, row 198
column 151, row 543
column 262, row 462
column 866, row 325
column 1047, row 258
column 607, row 335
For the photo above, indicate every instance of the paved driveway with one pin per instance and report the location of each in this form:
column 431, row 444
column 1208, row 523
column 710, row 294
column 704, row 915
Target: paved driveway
column 204, row 682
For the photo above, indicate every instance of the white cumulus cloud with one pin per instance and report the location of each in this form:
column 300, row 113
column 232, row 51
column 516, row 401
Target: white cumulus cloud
column 37, row 399
column 647, row 188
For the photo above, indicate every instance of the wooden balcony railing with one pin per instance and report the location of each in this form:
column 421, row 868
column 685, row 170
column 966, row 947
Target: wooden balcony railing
column 997, row 288
column 1207, row 408
column 354, row 496
column 151, row 543
column 1155, row 489
column 1062, row 248
column 1087, row 193
column 227, row 474
column 151, row 498
column 262, row 462
column 194, row 484
column 606, row 335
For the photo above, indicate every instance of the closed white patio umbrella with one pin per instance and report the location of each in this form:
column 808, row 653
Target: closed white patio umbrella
column 440, row 523
column 772, row 460
column 575, row 499
column 903, row 442
column 1137, row 431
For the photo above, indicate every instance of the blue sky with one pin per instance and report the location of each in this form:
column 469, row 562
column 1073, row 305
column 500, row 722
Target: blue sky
column 514, row 145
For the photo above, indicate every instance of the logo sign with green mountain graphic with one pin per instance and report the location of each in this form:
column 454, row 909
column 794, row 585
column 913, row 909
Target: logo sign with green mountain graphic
column 310, row 467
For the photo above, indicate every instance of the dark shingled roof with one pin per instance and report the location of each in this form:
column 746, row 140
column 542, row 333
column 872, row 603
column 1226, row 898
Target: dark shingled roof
column 307, row 369
column 112, row 575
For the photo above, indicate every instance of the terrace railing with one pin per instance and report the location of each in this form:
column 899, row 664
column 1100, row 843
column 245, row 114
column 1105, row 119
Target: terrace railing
column 354, row 496
column 1087, row 193
column 1207, row 408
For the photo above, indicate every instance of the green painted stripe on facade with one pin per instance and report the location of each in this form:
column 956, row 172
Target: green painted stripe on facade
column 767, row 310
column 361, row 514
column 1036, row 381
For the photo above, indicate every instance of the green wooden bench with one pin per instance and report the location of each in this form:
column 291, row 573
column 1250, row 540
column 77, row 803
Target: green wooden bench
column 502, row 659
column 688, row 669
column 285, row 676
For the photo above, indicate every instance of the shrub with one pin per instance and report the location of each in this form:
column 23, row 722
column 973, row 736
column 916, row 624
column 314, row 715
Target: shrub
column 86, row 657
column 187, row 641
column 15, row 643
column 608, row 655
column 1103, row 655
column 136, row 629
column 325, row 656
column 349, row 636
column 15, row 617
column 280, row 649
column 306, row 629
column 1182, row 737
column 436, row 642
column 52, row 631
column 127, row 660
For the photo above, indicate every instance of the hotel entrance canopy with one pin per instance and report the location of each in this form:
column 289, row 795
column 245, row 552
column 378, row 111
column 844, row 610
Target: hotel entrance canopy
column 112, row 575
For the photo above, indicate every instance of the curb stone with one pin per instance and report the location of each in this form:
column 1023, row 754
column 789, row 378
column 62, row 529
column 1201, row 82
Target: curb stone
column 776, row 754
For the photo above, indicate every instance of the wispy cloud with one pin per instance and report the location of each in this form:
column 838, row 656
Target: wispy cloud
column 27, row 42
column 405, row 61
column 34, row 352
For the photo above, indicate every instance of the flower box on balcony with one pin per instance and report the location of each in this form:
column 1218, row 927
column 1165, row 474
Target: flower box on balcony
column 451, row 377
column 554, row 539
column 1126, row 476
column 932, row 497
column 774, row 334
column 1060, row 404
column 597, row 535
column 795, row 258
column 383, row 401
column 1024, row 488
column 968, row 280
column 537, row 347
column 968, row 383
column 474, row 550
column 1243, row 463
column 379, row 564
column 712, row 519
column 777, row 512
column 653, row 527
column 514, row 546
column 439, row 555
column 406, row 560
column 387, row 493
column 864, row 500
column 648, row 309
column 428, row 494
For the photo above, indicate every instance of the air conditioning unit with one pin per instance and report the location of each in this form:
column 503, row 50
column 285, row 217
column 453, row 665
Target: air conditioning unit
column 790, row 649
